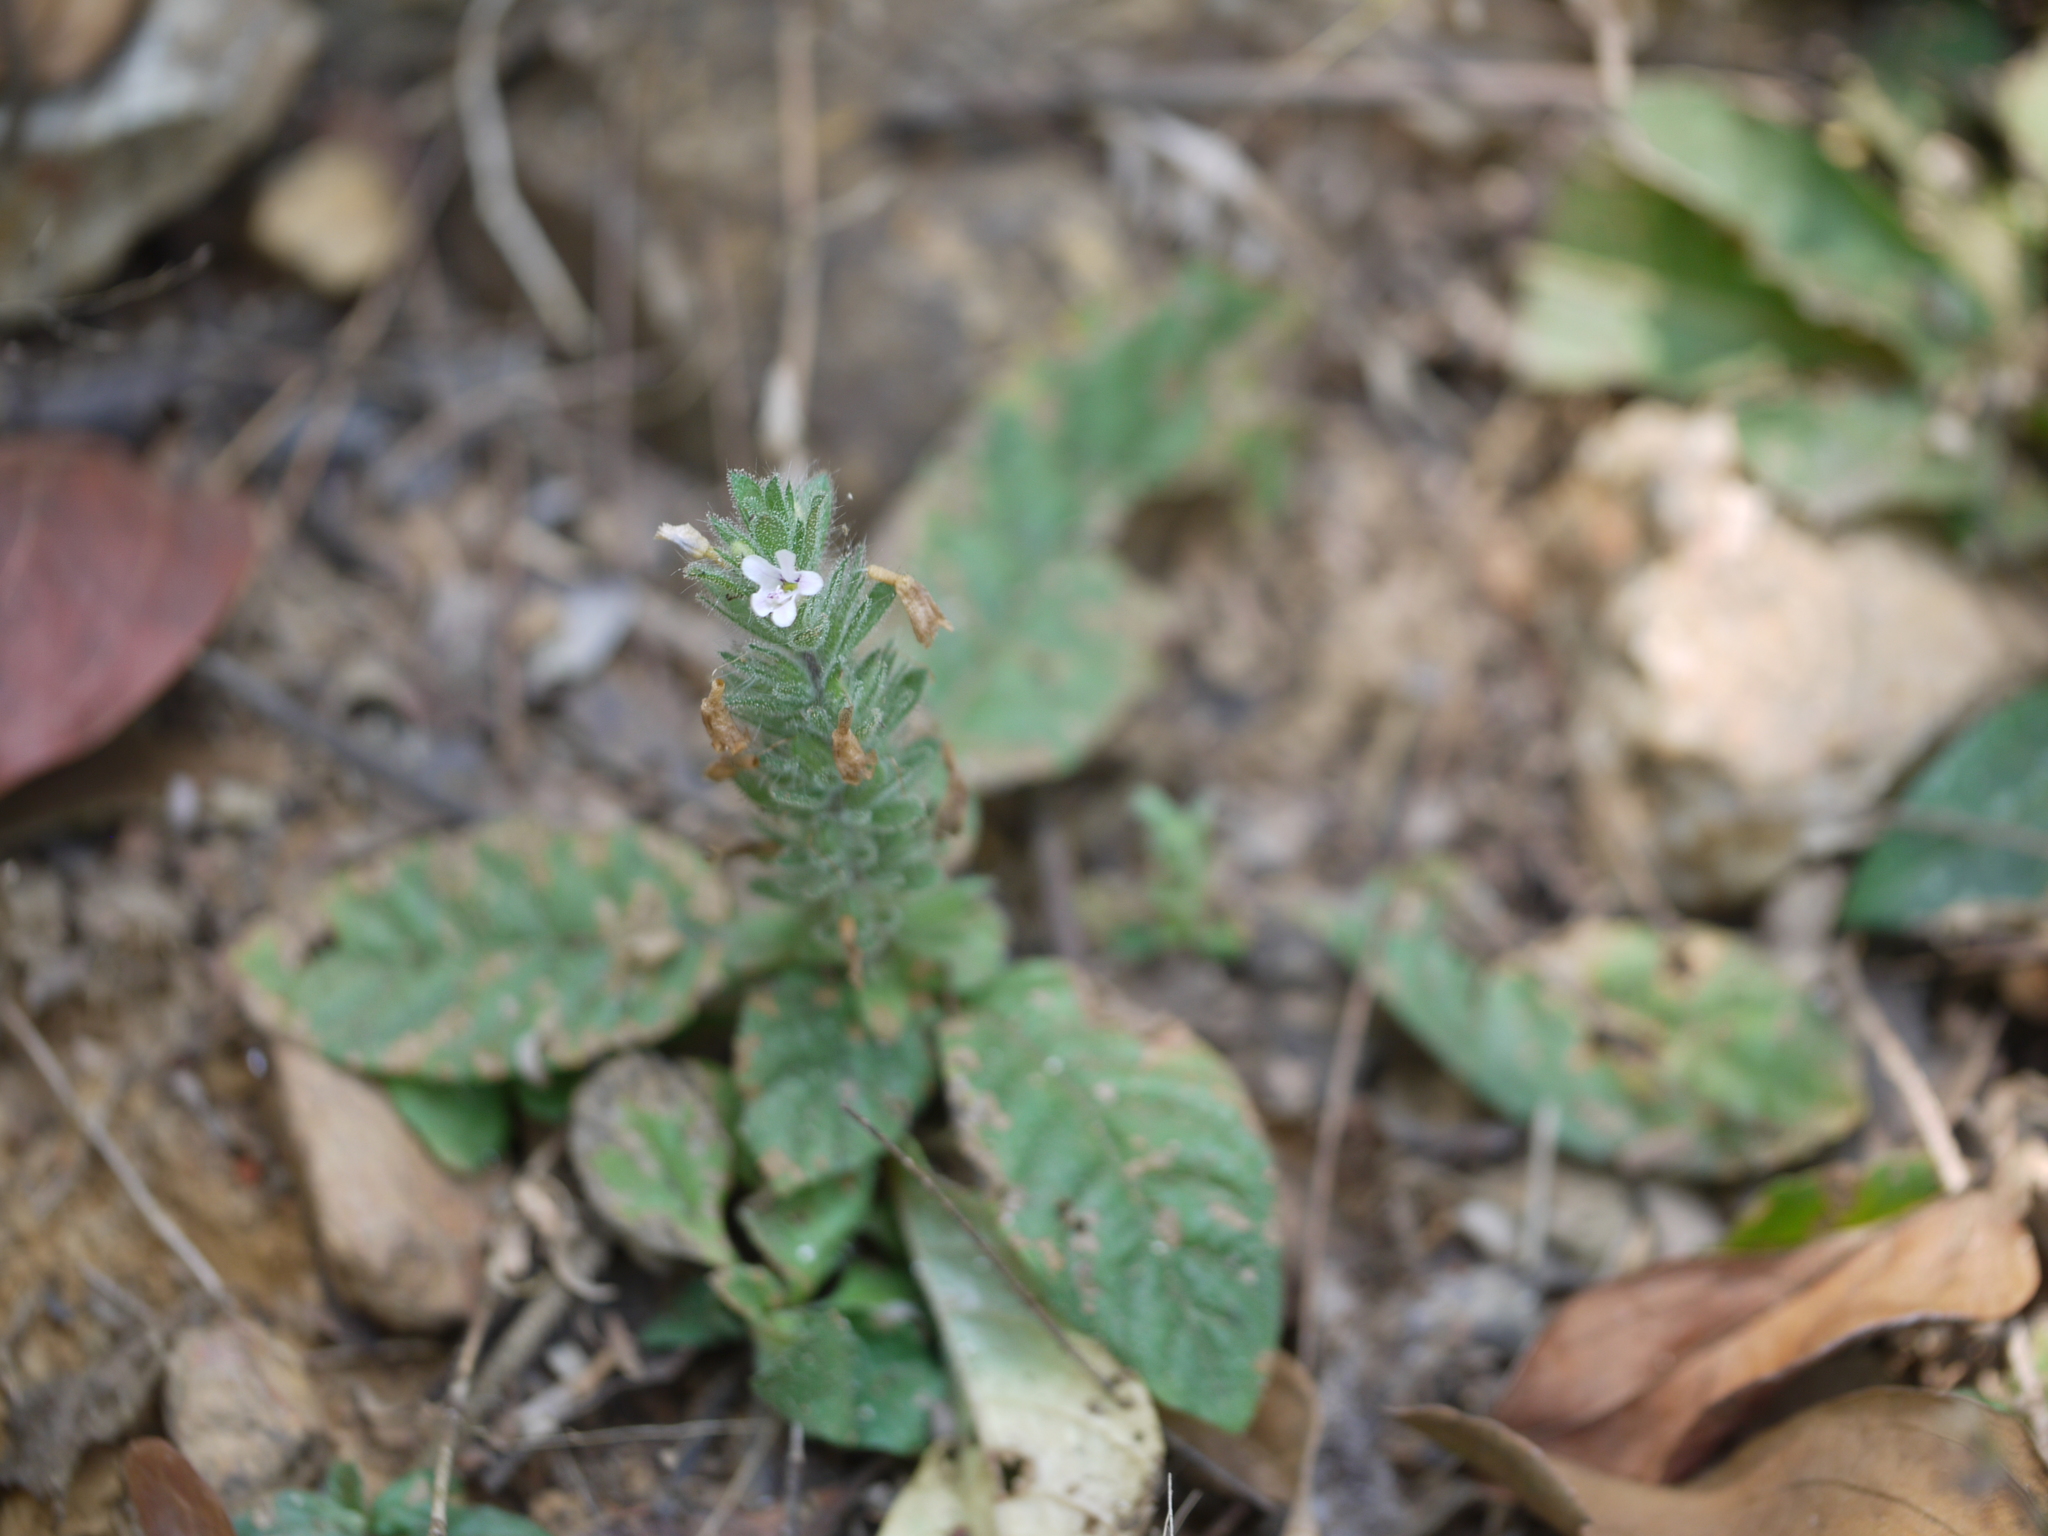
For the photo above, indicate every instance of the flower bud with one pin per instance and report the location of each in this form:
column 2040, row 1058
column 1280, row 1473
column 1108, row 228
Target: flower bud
column 686, row 538
column 925, row 619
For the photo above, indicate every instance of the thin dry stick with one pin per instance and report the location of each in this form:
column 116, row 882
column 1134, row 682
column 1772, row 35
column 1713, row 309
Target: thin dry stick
column 785, row 393
column 633, row 1434
column 1923, row 1104
column 1539, row 1194
column 1345, row 1056
column 457, row 1408
column 2024, row 1362
column 1612, row 47
column 988, row 1251
column 793, row 1481
column 500, row 205
column 38, row 1051
column 742, row 1479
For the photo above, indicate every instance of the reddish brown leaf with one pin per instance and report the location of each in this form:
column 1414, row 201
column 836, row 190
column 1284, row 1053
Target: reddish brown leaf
column 170, row 1497
column 109, row 585
column 1890, row 1461
column 1646, row 1376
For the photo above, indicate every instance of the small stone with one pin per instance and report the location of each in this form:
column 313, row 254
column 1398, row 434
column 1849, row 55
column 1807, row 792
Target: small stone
column 593, row 622
column 334, row 214
column 239, row 1403
column 1685, row 1224
column 1489, row 1228
column 402, row 1239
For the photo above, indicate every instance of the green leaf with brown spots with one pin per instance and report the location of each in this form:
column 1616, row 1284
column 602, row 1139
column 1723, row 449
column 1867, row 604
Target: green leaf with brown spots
column 1132, row 1177
column 654, row 1156
column 805, row 1232
column 807, row 1047
column 512, row 948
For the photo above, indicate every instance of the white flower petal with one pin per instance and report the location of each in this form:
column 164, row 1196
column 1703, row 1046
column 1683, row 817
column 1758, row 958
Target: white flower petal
column 785, row 614
column 766, row 601
column 759, row 572
column 809, row 583
column 786, row 560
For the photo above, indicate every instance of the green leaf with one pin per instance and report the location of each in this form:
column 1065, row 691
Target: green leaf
column 1840, row 454
column 467, row 1126
column 1632, row 289
column 957, row 926
column 545, row 1103
column 1134, row 1180
column 1027, row 1394
column 405, row 1508
column 1829, row 237
column 804, row 1052
column 1682, row 1053
column 294, row 1512
column 1970, row 835
column 1011, row 529
column 507, row 949
column 654, row 1156
column 1798, row 1207
column 870, row 1381
column 693, row 1319
column 1179, row 882
column 805, row 1232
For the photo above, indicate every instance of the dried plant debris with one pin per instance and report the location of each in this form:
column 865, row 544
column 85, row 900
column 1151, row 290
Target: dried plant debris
column 1645, row 1376
column 1888, row 1461
column 509, row 950
column 55, row 1422
column 169, row 1495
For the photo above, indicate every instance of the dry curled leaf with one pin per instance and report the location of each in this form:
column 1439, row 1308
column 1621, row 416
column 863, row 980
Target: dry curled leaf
column 66, row 40
column 1889, row 1461
column 919, row 606
column 110, row 583
column 1266, row 1459
column 856, row 763
column 1644, row 1377
column 169, row 1495
column 728, row 737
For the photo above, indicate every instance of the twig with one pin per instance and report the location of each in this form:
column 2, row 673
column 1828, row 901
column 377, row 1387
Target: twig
column 1052, row 860
column 632, row 1434
column 785, row 393
column 989, row 1251
column 1496, row 85
column 793, row 1481
column 2026, row 1374
column 494, row 177
column 263, row 697
column 457, row 1408
column 1338, row 1089
column 1923, row 1104
column 1612, row 47
column 38, row 1051
column 742, row 1479
column 1539, row 1194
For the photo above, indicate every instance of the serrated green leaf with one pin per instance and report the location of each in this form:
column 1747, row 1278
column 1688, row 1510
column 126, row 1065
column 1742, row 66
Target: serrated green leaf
column 870, row 1381
column 957, row 926
column 1025, row 1391
column 694, row 1318
column 653, row 1155
column 1632, row 289
column 805, row 1232
column 1829, row 237
column 1839, row 454
column 1798, row 1207
column 1011, row 531
column 1135, row 1181
column 1970, row 842
column 803, row 1052
column 508, row 949
column 467, row 1126
column 1682, row 1053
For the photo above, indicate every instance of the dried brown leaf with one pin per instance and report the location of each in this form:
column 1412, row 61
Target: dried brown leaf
column 1266, row 1459
column 1889, row 1461
column 1644, row 1377
column 169, row 1495
column 856, row 763
column 919, row 606
column 110, row 583
column 728, row 737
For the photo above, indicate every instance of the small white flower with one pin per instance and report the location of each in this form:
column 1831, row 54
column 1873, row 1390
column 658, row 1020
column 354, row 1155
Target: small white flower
column 686, row 538
column 781, row 584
